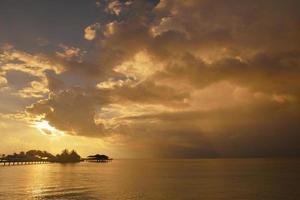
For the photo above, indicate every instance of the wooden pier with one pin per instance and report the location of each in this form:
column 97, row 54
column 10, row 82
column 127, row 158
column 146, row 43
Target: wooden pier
column 20, row 162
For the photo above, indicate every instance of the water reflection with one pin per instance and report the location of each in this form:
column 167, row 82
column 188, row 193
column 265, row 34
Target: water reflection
column 154, row 179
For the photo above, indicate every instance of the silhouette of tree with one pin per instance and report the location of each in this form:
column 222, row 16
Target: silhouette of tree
column 67, row 157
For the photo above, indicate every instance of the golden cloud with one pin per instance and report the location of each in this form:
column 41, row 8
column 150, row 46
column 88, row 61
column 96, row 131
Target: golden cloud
column 90, row 32
column 204, row 78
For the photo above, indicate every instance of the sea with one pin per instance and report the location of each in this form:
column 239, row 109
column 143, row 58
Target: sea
column 184, row 179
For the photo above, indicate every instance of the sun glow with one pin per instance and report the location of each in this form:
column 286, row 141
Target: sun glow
column 47, row 129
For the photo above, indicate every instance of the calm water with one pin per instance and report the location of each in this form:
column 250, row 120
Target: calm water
column 155, row 179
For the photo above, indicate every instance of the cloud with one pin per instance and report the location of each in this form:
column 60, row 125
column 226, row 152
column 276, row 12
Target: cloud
column 90, row 32
column 166, row 24
column 33, row 65
column 149, row 93
column 262, row 72
column 3, row 84
column 71, row 111
column 114, row 7
column 257, row 130
column 3, row 81
column 35, row 90
column 70, row 53
column 176, row 78
column 203, row 46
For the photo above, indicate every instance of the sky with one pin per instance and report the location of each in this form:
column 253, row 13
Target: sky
column 150, row 78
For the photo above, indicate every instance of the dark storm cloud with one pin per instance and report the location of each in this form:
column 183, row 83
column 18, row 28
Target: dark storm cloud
column 258, row 130
column 148, row 92
column 262, row 72
column 72, row 110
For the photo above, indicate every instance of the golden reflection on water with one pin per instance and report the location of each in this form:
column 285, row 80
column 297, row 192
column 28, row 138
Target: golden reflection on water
column 36, row 179
column 154, row 180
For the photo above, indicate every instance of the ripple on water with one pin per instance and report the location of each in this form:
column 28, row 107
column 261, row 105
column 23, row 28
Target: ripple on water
column 53, row 192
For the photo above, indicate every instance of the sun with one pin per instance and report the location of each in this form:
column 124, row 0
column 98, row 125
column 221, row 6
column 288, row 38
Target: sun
column 46, row 128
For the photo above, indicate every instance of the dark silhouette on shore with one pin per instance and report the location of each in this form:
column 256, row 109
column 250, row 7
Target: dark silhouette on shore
column 29, row 156
column 98, row 158
column 67, row 157
column 38, row 157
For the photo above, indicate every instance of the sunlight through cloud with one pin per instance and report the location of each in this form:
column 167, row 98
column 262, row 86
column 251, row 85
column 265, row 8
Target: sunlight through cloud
column 45, row 128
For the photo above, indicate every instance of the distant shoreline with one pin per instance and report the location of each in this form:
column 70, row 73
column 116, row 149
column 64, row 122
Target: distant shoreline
column 41, row 157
